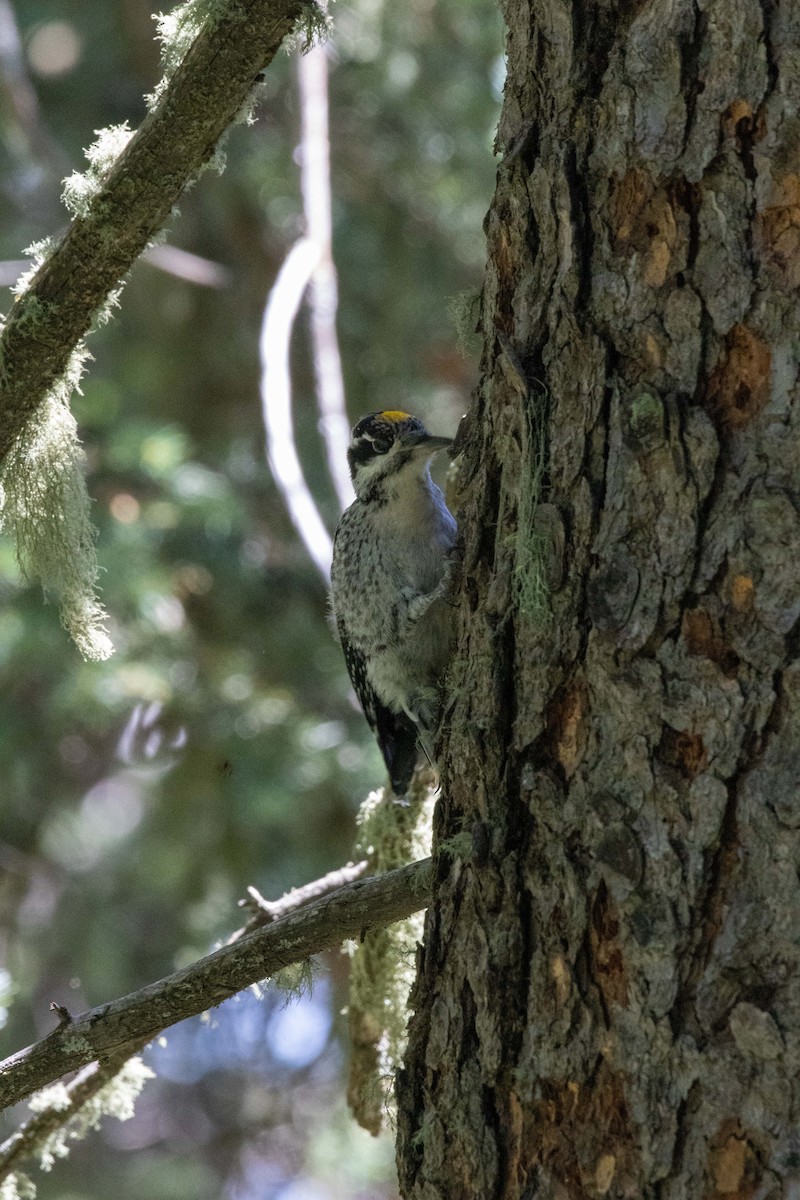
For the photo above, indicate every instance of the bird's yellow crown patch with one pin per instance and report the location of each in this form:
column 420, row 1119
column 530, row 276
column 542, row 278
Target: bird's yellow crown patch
column 394, row 415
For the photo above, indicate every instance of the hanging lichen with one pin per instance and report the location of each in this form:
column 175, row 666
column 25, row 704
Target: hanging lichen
column 44, row 506
column 384, row 961
column 59, row 1121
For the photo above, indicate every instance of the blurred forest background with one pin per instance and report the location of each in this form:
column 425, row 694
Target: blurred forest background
column 219, row 746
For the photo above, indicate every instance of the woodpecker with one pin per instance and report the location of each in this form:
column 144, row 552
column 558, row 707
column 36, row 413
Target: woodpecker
column 391, row 556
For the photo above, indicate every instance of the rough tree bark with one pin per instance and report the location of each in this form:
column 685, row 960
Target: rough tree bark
column 608, row 1001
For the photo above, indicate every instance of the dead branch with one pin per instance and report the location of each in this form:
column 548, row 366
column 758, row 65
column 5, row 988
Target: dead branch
column 263, row 912
column 27, row 1141
column 140, row 1016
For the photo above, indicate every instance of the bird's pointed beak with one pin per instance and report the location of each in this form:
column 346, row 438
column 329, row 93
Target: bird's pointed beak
column 425, row 442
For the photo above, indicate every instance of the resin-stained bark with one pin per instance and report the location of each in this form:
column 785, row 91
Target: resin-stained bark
column 608, row 1001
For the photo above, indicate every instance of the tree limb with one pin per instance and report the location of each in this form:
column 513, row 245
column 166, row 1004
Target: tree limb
column 26, row 1142
column 141, row 1015
column 264, row 912
column 178, row 136
column 322, row 296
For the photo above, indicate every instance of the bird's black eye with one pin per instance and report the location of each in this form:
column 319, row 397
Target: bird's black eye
column 381, row 445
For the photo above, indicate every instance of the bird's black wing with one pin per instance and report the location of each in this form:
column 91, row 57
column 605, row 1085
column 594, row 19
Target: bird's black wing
column 396, row 732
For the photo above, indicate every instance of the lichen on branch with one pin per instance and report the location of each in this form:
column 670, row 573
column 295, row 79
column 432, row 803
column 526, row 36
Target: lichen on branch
column 327, row 920
column 384, row 959
column 213, row 52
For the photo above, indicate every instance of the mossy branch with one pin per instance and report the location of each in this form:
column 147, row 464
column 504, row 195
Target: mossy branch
column 200, row 99
column 319, row 925
column 383, row 959
column 67, row 1113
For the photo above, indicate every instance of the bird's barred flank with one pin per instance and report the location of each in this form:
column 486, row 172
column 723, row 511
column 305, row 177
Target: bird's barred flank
column 390, row 569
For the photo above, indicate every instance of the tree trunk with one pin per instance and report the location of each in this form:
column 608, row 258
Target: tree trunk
column 608, row 999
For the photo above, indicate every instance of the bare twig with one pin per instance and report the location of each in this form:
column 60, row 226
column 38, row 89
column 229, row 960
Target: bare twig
column 308, row 270
column 276, row 402
column 140, row 1016
column 178, row 136
column 264, row 912
column 170, row 259
column 192, row 267
column 315, row 182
